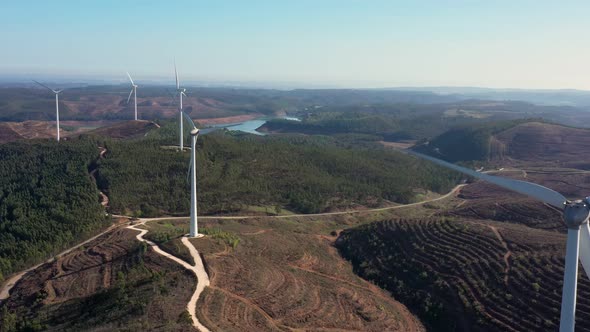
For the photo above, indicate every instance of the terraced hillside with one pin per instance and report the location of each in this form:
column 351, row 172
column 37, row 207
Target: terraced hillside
column 112, row 284
column 269, row 275
column 489, row 202
column 543, row 144
column 467, row 275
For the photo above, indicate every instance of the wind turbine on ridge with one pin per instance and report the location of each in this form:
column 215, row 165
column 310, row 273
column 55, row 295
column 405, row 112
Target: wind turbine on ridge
column 57, row 92
column 181, row 92
column 575, row 214
column 194, row 230
column 134, row 92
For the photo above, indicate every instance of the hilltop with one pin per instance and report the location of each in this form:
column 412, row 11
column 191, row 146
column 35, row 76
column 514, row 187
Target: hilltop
column 511, row 143
column 126, row 129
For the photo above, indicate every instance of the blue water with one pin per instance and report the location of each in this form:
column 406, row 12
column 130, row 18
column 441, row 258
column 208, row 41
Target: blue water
column 246, row 126
column 249, row 127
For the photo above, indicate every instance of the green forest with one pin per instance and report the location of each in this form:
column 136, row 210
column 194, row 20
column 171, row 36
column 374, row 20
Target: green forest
column 302, row 174
column 48, row 201
column 385, row 123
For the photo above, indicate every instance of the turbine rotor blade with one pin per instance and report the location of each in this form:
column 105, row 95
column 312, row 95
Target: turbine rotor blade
column 533, row 190
column 130, row 79
column 585, row 248
column 172, row 97
column 189, row 119
column 46, row 87
column 128, row 98
column 176, row 75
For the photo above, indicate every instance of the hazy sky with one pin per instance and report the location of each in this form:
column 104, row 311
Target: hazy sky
column 364, row 43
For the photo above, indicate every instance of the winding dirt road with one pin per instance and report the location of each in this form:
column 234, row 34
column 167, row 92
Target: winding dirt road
column 198, row 269
column 450, row 193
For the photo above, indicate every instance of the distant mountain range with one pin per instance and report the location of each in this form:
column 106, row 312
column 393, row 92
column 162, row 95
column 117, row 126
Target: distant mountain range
column 563, row 97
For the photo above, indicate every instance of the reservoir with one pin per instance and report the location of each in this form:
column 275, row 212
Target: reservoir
column 249, row 126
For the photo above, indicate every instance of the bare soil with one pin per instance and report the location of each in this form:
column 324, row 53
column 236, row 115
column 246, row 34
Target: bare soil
column 288, row 276
column 109, row 284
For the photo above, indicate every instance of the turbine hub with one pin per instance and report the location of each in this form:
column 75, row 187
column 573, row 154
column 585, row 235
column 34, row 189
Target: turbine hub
column 576, row 213
column 194, row 132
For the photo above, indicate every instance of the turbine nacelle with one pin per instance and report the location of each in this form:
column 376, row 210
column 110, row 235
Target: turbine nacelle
column 576, row 213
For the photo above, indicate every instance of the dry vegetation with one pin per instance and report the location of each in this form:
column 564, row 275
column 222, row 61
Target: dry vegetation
column 271, row 276
column 489, row 202
column 112, row 284
column 543, row 144
column 126, row 129
column 468, row 275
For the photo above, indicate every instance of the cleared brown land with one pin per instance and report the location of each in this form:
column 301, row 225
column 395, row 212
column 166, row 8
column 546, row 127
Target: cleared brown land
column 127, row 129
column 288, row 276
column 111, row 284
column 537, row 143
column 8, row 134
column 11, row 131
column 490, row 202
column 102, row 105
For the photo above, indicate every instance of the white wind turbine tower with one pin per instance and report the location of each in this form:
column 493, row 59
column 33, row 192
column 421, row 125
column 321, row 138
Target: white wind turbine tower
column 181, row 92
column 575, row 214
column 194, row 230
column 134, row 92
column 57, row 92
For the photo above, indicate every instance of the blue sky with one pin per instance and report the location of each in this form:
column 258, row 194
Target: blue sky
column 516, row 44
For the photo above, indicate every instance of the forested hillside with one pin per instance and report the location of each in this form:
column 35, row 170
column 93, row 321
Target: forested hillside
column 302, row 174
column 385, row 122
column 473, row 140
column 48, row 201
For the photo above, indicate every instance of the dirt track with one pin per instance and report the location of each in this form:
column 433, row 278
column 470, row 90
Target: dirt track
column 506, row 255
column 5, row 291
column 198, row 269
column 452, row 192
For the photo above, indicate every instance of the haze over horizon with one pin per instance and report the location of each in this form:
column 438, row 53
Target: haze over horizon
column 354, row 44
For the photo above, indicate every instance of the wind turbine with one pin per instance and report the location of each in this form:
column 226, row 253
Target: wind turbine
column 181, row 92
column 194, row 230
column 575, row 215
column 134, row 92
column 57, row 92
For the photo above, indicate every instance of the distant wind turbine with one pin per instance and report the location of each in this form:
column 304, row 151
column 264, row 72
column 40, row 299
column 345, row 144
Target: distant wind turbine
column 134, row 92
column 57, row 92
column 181, row 92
